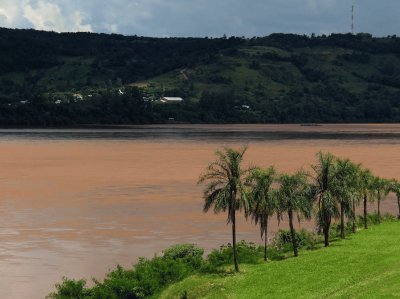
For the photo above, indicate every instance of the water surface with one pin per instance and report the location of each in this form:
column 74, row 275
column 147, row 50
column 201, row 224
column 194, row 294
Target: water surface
column 77, row 202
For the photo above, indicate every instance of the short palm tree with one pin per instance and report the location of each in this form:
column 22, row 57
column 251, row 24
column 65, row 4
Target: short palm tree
column 325, row 189
column 293, row 196
column 225, row 191
column 262, row 199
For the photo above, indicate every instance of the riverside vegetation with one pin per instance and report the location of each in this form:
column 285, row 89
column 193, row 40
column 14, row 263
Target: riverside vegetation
column 330, row 191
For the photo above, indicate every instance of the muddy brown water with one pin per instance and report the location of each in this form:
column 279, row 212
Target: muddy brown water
column 78, row 202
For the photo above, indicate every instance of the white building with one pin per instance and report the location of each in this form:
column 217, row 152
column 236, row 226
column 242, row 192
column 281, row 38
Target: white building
column 171, row 100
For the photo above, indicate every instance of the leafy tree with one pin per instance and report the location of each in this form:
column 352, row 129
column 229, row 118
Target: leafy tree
column 293, row 196
column 262, row 199
column 225, row 190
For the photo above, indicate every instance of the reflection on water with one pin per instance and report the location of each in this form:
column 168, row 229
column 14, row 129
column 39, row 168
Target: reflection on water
column 77, row 202
column 211, row 133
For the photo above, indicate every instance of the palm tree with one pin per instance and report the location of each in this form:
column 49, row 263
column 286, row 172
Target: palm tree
column 398, row 197
column 381, row 187
column 262, row 199
column 364, row 187
column 345, row 190
column 356, row 194
column 293, row 196
column 395, row 188
column 326, row 192
column 225, row 190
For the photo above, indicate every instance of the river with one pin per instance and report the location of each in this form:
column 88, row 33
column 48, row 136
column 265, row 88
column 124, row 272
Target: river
column 77, row 202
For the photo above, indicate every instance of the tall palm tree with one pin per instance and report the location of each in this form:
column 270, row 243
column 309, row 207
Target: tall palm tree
column 326, row 192
column 395, row 188
column 345, row 190
column 262, row 199
column 356, row 194
column 398, row 197
column 381, row 188
column 293, row 196
column 364, row 186
column 225, row 191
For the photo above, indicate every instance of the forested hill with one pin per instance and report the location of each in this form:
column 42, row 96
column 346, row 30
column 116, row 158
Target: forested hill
column 48, row 78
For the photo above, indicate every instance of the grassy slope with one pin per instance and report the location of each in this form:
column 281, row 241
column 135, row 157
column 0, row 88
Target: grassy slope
column 367, row 265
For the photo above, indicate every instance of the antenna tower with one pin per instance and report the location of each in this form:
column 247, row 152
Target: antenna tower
column 352, row 19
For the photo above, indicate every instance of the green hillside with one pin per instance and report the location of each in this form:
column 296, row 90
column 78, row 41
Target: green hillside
column 365, row 266
column 275, row 79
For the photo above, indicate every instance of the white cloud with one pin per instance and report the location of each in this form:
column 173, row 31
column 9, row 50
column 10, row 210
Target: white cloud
column 4, row 14
column 9, row 13
column 48, row 16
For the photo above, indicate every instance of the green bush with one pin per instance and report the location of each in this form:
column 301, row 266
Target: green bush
column 70, row 289
column 119, row 283
column 183, row 251
column 189, row 253
column 147, row 277
column 373, row 219
column 283, row 240
column 248, row 253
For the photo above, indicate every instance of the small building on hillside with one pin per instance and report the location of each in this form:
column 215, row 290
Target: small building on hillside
column 170, row 99
column 77, row 96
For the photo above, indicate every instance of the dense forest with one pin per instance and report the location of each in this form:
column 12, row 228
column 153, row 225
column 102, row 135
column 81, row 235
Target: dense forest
column 56, row 79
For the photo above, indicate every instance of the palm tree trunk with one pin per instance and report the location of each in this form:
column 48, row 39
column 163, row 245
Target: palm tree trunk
column 342, row 221
column 293, row 233
column 365, row 212
column 235, row 258
column 379, row 208
column 266, row 239
column 326, row 227
column 354, row 216
column 398, row 203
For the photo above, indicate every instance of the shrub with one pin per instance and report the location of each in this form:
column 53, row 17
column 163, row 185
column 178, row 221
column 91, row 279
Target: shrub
column 283, row 240
column 189, row 253
column 248, row 253
column 70, row 289
column 374, row 220
column 147, row 277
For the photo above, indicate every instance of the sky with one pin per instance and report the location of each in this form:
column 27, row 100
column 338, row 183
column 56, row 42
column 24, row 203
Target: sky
column 213, row 18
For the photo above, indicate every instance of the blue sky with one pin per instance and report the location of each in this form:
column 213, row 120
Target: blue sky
column 202, row 17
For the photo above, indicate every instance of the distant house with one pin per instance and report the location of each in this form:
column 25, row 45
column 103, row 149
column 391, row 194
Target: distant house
column 170, row 100
column 243, row 107
column 77, row 96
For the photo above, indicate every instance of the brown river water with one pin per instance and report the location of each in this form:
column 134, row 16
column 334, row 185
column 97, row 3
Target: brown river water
column 76, row 203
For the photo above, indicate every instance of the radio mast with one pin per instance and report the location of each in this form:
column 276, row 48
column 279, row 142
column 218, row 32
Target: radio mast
column 352, row 19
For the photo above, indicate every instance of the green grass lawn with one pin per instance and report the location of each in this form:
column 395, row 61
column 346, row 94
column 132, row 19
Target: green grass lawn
column 366, row 265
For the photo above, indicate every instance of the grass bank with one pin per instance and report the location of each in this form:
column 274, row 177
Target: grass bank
column 366, row 265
